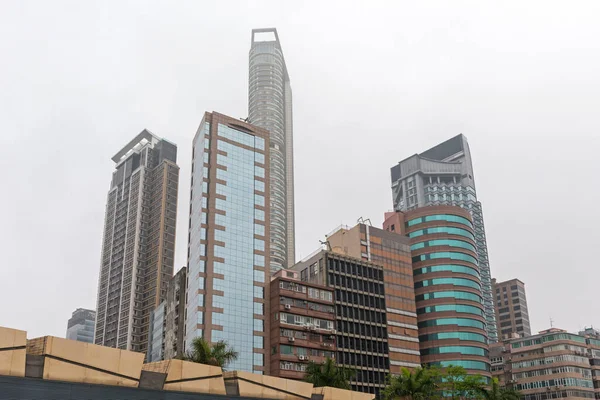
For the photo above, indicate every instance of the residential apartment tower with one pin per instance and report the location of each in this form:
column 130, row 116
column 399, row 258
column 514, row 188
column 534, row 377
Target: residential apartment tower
column 510, row 304
column 138, row 242
column 270, row 107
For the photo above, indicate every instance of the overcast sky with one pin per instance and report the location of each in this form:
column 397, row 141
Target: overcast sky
column 373, row 83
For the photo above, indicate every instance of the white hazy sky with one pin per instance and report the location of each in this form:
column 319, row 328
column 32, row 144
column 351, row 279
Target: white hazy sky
column 373, row 83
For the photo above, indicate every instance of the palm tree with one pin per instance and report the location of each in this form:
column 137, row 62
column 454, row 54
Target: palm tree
column 219, row 354
column 495, row 392
column 329, row 374
column 411, row 385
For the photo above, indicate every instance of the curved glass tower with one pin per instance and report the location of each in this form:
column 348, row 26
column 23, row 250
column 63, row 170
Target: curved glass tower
column 443, row 175
column 270, row 107
column 450, row 306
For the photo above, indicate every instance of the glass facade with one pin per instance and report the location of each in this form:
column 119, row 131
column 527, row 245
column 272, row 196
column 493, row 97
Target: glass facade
column 235, row 247
column 474, row 337
column 444, row 242
column 157, row 332
column 462, row 269
column 442, row 229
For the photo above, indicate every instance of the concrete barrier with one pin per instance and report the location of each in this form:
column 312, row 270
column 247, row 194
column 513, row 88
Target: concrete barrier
column 12, row 352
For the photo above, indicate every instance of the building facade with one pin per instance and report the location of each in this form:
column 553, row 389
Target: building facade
column 138, row 243
column 302, row 324
column 228, row 241
column 167, row 321
column 553, row 364
column 510, row 306
column 448, row 294
column 443, row 175
column 80, row 326
column 391, row 251
column 270, row 107
column 360, row 305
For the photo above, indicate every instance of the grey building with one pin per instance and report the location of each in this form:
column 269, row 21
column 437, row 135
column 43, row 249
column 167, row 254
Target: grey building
column 512, row 314
column 138, row 242
column 443, row 175
column 167, row 321
column 270, row 107
column 81, row 325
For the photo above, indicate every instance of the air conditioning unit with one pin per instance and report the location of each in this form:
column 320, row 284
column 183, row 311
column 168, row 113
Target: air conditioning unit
column 333, row 331
column 323, row 344
column 313, row 327
column 302, row 358
column 291, row 339
column 288, row 306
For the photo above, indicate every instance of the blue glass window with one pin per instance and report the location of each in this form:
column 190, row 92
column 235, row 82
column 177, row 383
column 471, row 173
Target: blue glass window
column 444, row 242
column 441, row 217
column 460, row 308
column 448, row 281
column 259, row 342
column 474, row 337
column 452, row 268
column 468, row 350
column 465, row 322
column 259, row 325
column 445, row 254
column 259, row 308
column 259, row 276
column 259, row 185
column 480, row 365
column 259, row 200
column 259, row 214
column 259, row 244
column 259, row 229
column 259, row 260
column 455, row 294
column 259, row 171
column 259, row 158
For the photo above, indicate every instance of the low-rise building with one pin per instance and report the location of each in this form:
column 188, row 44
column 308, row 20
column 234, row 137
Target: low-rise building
column 302, row 324
column 550, row 365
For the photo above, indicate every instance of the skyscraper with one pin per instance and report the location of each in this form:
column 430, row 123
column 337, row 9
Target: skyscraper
column 81, row 325
column 228, row 241
column 139, row 241
column 512, row 314
column 270, row 107
column 443, row 175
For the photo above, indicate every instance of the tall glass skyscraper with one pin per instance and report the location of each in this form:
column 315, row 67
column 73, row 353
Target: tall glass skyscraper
column 81, row 325
column 228, row 248
column 443, row 175
column 270, row 107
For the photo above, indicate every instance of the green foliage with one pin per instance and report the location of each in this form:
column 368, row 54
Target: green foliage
column 219, row 354
column 452, row 382
column 419, row 384
column 329, row 374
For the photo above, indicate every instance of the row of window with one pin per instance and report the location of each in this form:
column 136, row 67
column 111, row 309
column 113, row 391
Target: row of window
column 445, row 254
column 442, row 229
column 359, row 299
column 459, row 308
column 355, row 269
column 307, row 304
column 356, row 284
column 475, row 337
column 441, row 217
column 301, row 320
column 584, row 372
column 302, row 351
column 443, row 242
column 450, row 294
column 551, row 360
column 360, row 344
column 467, row 350
column 361, row 314
column 304, row 335
column 363, row 360
column 559, row 394
column 461, row 269
column 584, row 383
column 466, row 322
column 290, row 366
column 448, row 281
column 548, row 338
column 358, row 328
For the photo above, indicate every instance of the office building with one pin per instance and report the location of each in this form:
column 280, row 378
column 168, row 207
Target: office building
column 228, row 241
column 360, row 303
column 81, row 325
column 167, row 322
column 443, row 175
column 553, row 364
column 392, row 252
column 138, row 242
column 447, row 284
column 302, row 324
column 510, row 305
column 270, row 107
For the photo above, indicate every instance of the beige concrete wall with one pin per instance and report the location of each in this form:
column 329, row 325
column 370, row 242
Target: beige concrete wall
column 105, row 363
column 330, row 393
column 178, row 370
column 12, row 362
column 269, row 387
